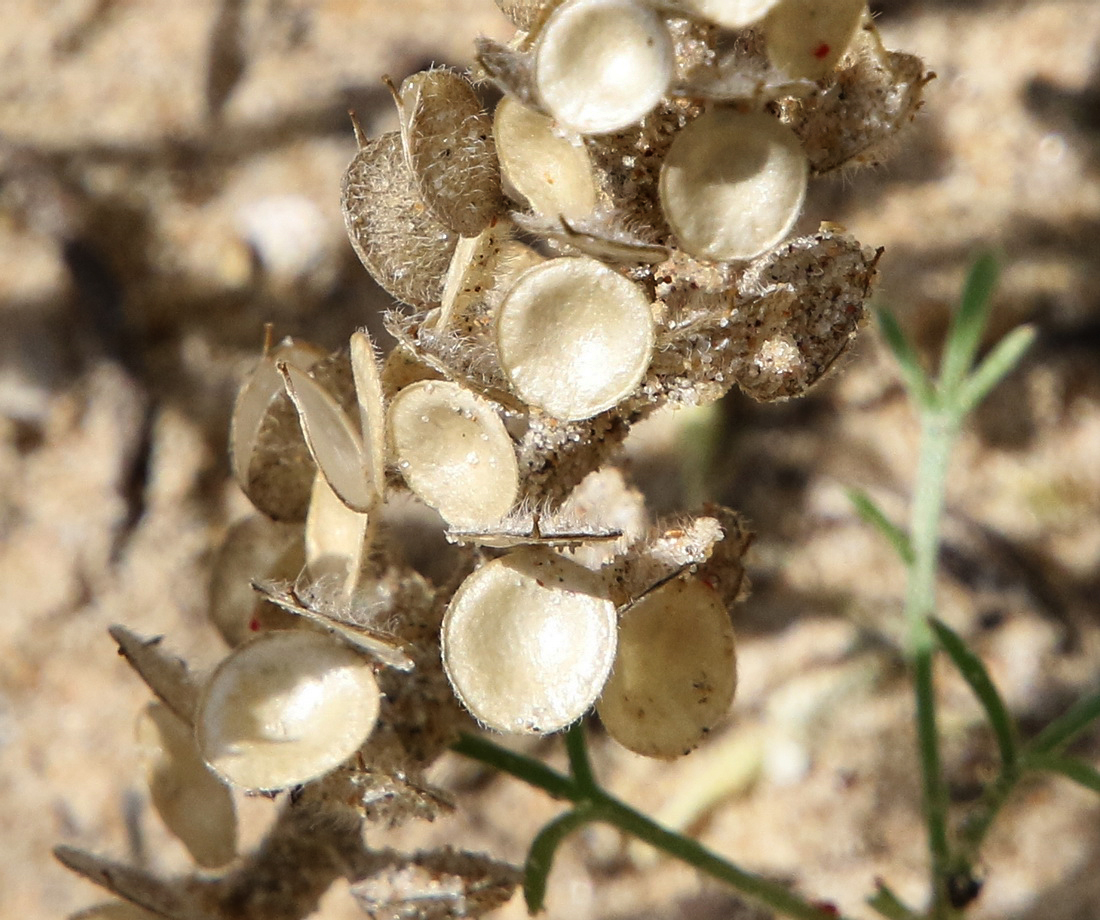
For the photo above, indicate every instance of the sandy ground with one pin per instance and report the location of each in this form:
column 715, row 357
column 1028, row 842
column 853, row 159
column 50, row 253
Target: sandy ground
column 160, row 164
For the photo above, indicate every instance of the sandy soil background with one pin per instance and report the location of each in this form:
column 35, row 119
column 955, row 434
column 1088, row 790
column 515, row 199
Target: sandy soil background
column 169, row 181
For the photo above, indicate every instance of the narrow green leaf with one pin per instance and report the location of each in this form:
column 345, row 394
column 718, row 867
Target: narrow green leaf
column 1077, row 770
column 1067, row 726
column 872, row 514
column 996, row 366
column 540, row 858
column 968, row 323
column 974, row 673
column 915, row 379
column 885, row 902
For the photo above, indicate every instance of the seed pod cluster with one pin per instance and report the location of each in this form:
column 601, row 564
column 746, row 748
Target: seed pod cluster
column 614, row 237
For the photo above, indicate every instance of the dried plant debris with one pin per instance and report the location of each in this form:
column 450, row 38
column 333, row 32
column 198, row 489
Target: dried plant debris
column 449, row 148
column 657, row 156
column 436, row 885
column 397, row 238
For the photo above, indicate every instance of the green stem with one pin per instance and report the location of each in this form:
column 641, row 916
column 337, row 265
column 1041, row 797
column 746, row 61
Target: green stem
column 579, row 764
column 938, row 431
column 596, row 805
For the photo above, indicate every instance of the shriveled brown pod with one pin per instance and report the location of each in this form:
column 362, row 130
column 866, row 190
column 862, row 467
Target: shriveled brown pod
column 448, row 139
column 399, row 240
column 268, row 454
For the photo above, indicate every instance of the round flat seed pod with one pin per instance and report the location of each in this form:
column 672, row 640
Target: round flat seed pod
column 399, row 241
column 552, row 173
column 194, row 804
column 675, row 671
column 732, row 14
column 269, row 457
column 528, row 642
column 806, row 38
column 450, row 150
column 732, row 184
column 454, row 452
column 601, row 65
column 574, row 337
column 285, row 708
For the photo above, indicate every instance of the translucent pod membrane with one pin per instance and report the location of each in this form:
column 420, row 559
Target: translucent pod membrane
column 270, row 460
column 528, row 641
column 675, row 671
column 399, row 241
column 732, row 184
column 454, row 452
column 732, row 14
column 449, row 147
column 285, row 708
column 335, row 538
column 193, row 803
column 806, row 38
column 574, row 337
column 554, row 174
column 601, row 65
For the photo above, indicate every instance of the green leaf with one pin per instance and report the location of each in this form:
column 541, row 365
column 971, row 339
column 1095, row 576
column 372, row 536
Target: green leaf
column 968, row 323
column 1077, row 770
column 915, row 379
column 1067, row 726
column 974, row 673
column 885, row 902
column 872, row 514
column 540, row 858
column 996, row 366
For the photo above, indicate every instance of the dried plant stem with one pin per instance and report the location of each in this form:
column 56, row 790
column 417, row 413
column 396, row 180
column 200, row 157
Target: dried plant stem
column 593, row 804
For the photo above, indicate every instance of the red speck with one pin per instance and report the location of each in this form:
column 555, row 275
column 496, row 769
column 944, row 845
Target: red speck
column 826, row 907
column 822, row 51
column 254, row 624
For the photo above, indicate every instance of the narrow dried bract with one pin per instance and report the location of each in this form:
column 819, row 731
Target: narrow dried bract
column 270, row 459
column 399, row 241
column 675, row 670
column 449, row 148
column 454, row 452
column 166, row 675
column 194, row 804
column 574, row 337
column 601, row 65
column 733, row 184
column 285, row 708
column 528, row 641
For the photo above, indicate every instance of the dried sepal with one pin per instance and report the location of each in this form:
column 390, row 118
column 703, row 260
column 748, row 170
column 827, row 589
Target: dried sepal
column 448, row 141
column 599, row 238
column 269, row 457
column 552, row 172
column 166, row 675
column 675, row 670
column 868, row 100
column 454, row 452
column 285, row 708
column 379, row 645
column 732, row 184
column 574, row 337
column 509, row 68
column 526, row 14
column 175, row 899
column 334, row 440
column 399, row 241
column 442, row 884
column 253, row 547
column 601, row 65
column 806, row 38
column 528, row 641
column 193, row 803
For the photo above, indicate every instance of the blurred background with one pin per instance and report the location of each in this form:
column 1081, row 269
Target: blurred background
column 169, row 181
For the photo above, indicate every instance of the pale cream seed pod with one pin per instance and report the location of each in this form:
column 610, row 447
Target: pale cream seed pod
column 528, row 642
column 454, row 452
column 731, row 14
column 806, row 38
column 733, row 184
column 194, row 804
column 574, row 337
column 601, row 65
column 285, row 708
column 675, row 671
